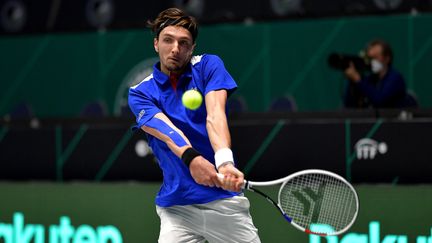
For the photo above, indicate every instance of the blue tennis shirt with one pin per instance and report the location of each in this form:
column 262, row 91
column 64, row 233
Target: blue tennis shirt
column 155, row 94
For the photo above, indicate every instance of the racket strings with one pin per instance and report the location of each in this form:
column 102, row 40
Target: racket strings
column 319, row 199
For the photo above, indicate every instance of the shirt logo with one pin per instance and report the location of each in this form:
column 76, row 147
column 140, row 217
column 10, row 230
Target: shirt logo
column 140, row 115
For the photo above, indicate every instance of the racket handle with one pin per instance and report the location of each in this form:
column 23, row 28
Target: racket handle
column 222, row 177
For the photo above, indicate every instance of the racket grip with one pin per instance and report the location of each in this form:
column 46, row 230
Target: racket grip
column 222, row 177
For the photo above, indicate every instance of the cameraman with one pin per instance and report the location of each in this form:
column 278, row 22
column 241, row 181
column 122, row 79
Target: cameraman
column 384, row 87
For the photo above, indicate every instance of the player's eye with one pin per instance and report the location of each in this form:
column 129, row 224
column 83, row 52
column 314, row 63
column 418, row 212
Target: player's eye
column 167, row 40
column 184, row 43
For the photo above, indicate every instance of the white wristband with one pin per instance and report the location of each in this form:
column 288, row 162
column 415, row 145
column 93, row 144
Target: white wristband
column 223, row 156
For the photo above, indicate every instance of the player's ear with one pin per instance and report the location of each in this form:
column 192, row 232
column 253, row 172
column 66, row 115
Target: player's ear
column 155, row 44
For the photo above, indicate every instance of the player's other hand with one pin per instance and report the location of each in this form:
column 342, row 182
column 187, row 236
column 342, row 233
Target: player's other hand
column 233, row 178
column 204, row 172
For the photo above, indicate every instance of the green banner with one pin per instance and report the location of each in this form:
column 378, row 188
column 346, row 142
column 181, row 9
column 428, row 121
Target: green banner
column 125, row 212
column 59, row 74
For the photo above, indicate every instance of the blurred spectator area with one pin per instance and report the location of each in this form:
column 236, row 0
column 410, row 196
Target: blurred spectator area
column 78, row 58
column 284, row 103
column 27, row 16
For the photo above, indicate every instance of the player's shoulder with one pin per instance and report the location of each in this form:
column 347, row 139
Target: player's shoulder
column 206, row 59
column 144, row 84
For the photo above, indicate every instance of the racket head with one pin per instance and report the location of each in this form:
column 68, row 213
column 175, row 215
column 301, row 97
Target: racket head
column 319, row 202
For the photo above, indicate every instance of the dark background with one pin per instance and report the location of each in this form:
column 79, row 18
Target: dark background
column 86, row 15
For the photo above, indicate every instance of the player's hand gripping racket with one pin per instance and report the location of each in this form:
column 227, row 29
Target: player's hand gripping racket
column 314, row 201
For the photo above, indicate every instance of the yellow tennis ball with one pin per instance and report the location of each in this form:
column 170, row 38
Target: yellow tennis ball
column 192, row 99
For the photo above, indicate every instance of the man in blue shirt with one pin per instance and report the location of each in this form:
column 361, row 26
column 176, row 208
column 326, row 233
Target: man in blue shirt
column 191, row 146
column 383, row 88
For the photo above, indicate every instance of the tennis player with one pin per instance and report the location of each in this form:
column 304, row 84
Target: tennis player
column 191, row 146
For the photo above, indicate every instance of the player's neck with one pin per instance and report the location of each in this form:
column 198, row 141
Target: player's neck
column 176, row 72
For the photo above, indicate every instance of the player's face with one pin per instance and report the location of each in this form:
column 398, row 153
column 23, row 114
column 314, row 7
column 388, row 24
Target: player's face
column 175, row 47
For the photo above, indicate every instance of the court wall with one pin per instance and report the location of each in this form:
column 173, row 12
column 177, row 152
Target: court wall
column 125, row 212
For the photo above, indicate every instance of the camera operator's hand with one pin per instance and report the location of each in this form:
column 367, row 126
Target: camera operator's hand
column 352, row 74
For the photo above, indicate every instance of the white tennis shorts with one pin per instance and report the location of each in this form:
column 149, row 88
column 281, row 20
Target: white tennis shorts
column 221, row 221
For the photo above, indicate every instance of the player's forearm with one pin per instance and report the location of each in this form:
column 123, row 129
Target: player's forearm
column 217, row 125
column 217, row 129
column 162, row 128
column 177, row 150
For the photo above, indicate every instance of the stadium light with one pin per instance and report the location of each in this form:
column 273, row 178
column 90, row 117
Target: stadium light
column 13, row 16
column 286, row 7
column 100, row 13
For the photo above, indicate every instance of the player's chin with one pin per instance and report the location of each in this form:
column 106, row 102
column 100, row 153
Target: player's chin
column 174, row 67
column 171, row 63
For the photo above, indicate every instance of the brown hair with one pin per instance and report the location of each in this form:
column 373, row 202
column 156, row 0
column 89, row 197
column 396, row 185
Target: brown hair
column 174, row 17
column 386, row 48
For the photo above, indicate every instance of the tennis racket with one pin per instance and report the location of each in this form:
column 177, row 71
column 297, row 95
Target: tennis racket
column 314, row 201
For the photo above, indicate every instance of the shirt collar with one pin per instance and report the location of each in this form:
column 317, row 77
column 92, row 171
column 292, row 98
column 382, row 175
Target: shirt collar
column 162, row 78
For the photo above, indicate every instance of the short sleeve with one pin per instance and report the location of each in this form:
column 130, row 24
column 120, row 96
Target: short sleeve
column 143, row 107
column 216, row 77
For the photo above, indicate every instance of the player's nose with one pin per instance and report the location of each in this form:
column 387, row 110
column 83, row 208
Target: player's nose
column 175, row 48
